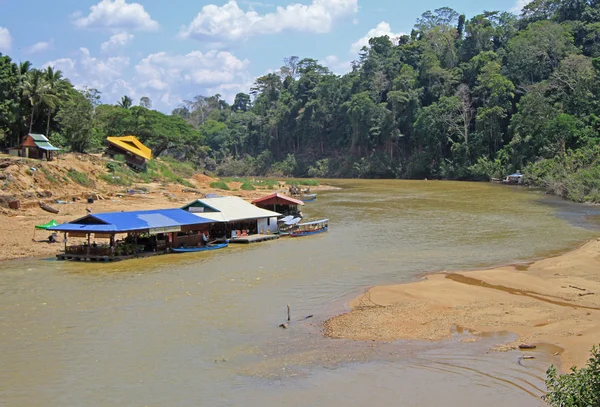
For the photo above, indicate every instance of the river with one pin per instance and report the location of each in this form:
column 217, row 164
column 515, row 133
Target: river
column 202, row 329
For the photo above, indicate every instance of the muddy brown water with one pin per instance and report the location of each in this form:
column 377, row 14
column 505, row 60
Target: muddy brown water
column 202, row 329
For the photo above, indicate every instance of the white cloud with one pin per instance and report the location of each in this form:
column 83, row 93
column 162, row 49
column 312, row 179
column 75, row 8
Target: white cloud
column 40, row 47
column 383, row 28
column 516, row 9
column 230, row 23
column 335, row 65
column 5, row 39
column 165, row 78
column 117, row 15
column 93, row 72
column 119, row 40
column 172, row 77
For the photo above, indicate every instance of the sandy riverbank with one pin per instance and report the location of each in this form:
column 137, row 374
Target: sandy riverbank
column 17, row 227
column 544, row 302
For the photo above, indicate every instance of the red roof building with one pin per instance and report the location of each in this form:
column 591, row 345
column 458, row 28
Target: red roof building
column 279, row 203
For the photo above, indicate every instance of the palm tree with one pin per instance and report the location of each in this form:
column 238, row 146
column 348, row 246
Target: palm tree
column 126, row 102
column 57, row 91
column 35, row 90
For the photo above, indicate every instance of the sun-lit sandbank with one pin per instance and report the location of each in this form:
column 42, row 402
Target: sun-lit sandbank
column 552, row 301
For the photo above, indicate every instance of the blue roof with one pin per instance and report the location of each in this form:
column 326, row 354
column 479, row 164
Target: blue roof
column 115, row 222
column 516, row 175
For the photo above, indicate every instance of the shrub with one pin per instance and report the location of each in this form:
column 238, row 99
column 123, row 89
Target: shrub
column 578, row 388
column 307, row 182
column 219, row 185
column 246, row 186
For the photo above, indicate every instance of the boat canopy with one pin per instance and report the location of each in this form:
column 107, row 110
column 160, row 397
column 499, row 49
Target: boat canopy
column 293, row 221
column 286, row 219
column 317, row 222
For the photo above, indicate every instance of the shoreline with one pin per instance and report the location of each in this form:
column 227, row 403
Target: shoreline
column 549, row 301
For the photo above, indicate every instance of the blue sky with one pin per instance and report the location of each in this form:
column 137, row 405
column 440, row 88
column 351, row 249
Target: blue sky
column 173, row 50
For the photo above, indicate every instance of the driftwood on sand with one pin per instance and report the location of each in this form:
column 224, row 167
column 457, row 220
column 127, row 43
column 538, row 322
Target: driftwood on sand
column 48, row 208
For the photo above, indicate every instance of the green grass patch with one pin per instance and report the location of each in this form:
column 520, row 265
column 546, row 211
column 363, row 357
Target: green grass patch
column 246, row 186
column 220, row 185
column 307, row 182
column 115, row 180
column 182, row 169
column 80, row 178
column 49, row 176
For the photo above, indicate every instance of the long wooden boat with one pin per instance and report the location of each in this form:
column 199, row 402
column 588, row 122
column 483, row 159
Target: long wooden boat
column 310, row 228
column 199, row 248
column 308, row 197
column 48, row 208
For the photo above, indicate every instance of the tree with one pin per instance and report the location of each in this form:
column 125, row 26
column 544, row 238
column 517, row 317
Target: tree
column 76, row 117
column 535, row 52
column 241, row 102
column 9, row 94
column 36, row 91
column 126, row 102
column 578, row 388
column 145, row 102
column 58, row 88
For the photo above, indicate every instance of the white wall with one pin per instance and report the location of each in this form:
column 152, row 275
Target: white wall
column 267, row 225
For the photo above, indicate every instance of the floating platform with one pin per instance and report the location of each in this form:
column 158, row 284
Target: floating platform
column 253, row 239
column 99, row 258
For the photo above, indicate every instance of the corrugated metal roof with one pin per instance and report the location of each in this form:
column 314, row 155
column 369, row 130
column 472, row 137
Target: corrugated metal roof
column 38, row 137
column 131, row 144
column 42, row 142
column 230, row 209
column 132, row 221
column 278, row 199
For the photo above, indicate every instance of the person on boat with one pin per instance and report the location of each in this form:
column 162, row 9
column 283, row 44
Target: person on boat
column 52, row 238
column 204, row 238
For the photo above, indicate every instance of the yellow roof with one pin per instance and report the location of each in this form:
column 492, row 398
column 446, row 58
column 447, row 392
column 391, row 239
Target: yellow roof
column 131, row 144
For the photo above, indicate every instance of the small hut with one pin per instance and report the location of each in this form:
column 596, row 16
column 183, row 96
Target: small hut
column 37, row 146
column 132, row 149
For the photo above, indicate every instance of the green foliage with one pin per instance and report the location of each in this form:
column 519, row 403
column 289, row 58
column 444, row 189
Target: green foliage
column 219, row 185
column 76, row 119
column 320, row 169
column 246, row 186
column 80, row 178
column 306, row 182
column 574, row 176
column 578, row 388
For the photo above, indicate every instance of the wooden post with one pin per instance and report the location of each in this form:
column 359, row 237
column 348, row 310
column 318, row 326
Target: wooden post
column 65, row 240
column 88, row 246
column 288, row 309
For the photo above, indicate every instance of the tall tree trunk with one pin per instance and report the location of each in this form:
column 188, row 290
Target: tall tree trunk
column 31, row 120
column 48, row 126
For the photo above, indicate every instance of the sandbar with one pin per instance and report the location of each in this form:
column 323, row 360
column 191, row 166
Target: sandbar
column 551, row 301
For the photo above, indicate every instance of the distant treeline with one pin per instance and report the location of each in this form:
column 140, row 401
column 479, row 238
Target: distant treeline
column 458, row 98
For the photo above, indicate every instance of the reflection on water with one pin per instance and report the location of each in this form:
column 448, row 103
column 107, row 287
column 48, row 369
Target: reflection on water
column 202, row 328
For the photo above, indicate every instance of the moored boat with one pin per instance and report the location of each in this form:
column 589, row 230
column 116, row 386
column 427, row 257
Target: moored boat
column 199, row 248
column 310, row 228
column 308, row 197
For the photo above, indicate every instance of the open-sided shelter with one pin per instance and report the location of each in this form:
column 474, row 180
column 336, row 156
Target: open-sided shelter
column 132, row 149
column 35, row 146
column 232, row 214
column 147, row 232
column 280, row 203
